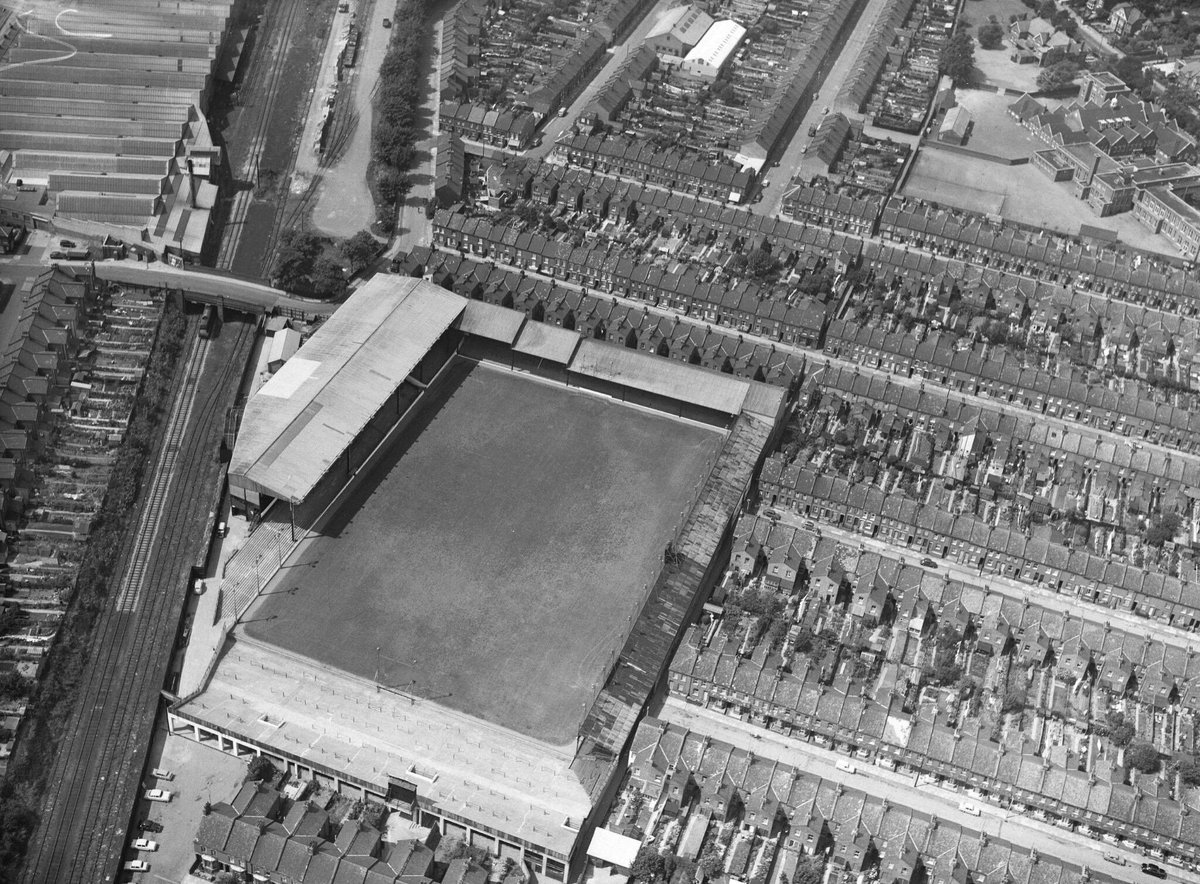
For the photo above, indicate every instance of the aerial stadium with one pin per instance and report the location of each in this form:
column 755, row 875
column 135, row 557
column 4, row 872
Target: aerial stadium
column 485, row 535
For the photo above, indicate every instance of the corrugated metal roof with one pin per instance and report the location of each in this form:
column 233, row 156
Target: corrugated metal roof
column 664, row 377
column 302, row 420
column 547, row 342
column 491, row 321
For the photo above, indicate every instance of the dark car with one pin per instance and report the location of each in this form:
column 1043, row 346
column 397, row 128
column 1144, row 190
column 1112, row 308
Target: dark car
column 67, row 244
column 387, row 22
column 929, row 563
column 149, row 826
column 1154, row 870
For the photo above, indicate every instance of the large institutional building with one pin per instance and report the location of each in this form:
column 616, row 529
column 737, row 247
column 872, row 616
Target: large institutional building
column 381, row 379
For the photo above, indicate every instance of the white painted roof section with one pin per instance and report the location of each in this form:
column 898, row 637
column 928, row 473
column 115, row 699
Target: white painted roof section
column 665, row 377
column 547, row 342
column 303, row 419
column 491, row 321
column 487, row 774
column 284, row 344
column 611, row 847
column 717, row 44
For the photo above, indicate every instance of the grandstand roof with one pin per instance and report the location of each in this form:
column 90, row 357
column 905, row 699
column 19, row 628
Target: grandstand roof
column 664, row 377
column 302, row 420
column 491, row 321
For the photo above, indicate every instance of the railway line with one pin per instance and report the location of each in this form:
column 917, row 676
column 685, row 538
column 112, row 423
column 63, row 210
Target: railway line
column 96, row 776
column 264, row 86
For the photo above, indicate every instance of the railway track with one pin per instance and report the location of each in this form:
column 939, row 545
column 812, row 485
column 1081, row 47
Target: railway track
column 264, row 87
column 96, row 775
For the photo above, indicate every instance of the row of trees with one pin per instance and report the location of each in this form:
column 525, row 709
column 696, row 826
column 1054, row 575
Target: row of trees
column 55, row 692
column 397, row 124
column 306, row 262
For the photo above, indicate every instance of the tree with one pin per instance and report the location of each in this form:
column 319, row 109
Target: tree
column 14, row 686
column 1163, row 528
column 1014, row 699
column 1188, row 767
column 328, row 281
column 1143, row 757
column 761, row 263
column 1121, row 733
column 991, row 35
column 957, row 59
column 1046, row 9
column 1057, row 76
column 298, row 249
column 649, row 864
column 227, row 878
column 359, row 250
column 711, row 863
column 260, row 769
column 810, row 870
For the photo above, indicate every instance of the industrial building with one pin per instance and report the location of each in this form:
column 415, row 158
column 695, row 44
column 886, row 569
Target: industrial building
column 708, row 57
column 112, row 138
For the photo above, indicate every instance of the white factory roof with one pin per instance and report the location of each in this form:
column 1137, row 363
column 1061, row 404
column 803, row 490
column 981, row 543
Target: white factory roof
column 717, row 44
column 301, row 421
column 612, row 847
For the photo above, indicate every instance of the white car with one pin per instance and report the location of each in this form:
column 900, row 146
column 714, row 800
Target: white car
column 145, row 844
column 137, row 865
column 158, row 795
column 846, row 766
column 162, row 773
column 968, row 807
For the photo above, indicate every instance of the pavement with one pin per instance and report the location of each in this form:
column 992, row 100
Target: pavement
column 916, row 792
column 1151, row 630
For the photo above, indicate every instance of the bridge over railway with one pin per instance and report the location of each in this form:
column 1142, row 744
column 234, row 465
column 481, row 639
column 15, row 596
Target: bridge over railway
column 204, row 286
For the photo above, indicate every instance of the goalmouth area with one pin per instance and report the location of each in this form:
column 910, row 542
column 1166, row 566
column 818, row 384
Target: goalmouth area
column 495, row 556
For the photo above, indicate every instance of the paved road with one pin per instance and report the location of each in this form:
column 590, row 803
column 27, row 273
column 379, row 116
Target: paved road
column 795, row 155
column 909, row 791
column 1152, row 630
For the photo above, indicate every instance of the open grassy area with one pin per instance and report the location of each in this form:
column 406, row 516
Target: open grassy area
column 495, row 553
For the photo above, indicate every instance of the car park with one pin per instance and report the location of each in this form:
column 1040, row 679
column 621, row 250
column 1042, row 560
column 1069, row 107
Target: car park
column 1154, row 870
column 144, row 844
column 158, row 795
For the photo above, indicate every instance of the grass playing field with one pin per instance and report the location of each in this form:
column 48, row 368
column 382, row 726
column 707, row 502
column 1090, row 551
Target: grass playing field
column 495, row 553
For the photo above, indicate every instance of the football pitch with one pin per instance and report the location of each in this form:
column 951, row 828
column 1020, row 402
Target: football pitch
column 492, row 559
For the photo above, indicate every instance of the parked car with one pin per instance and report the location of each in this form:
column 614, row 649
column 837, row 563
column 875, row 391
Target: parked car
column 158, row 795
column 162, row 773
column 812, row 130
column 846, row 766
column 144, row 844
column 68, row 244
column 137, row 865
column 771, row 514
column 387, row 22
column 1115, row 859
column 929, row 563
column 1154, row 870
column 150, row 826
column 968, row 807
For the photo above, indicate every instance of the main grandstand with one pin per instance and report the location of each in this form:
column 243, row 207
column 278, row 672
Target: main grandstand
column 103, row 134
column 500, row 530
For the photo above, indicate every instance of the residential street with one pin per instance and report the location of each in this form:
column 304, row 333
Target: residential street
column 1062, row 604
column 916, row 793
